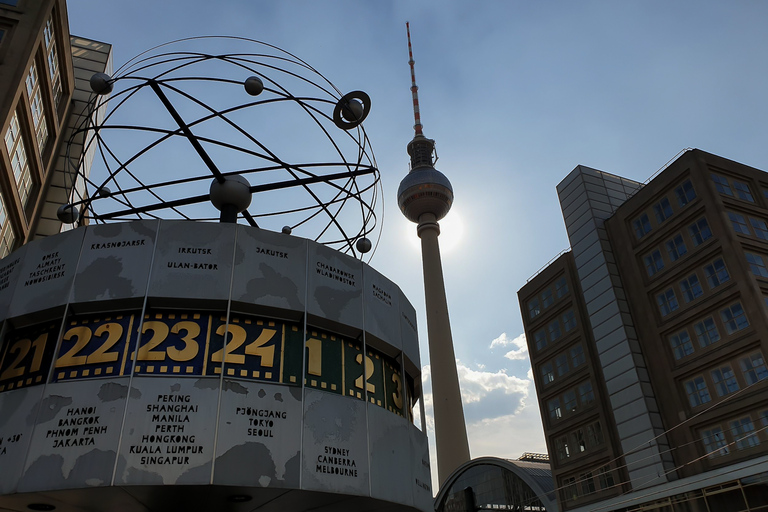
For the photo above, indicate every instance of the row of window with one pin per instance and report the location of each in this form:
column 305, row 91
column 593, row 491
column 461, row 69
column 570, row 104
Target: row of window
column 589, row 482
column 579, row 441
column 733, row 318
column 739, row 434
column 562, row 364
column 739, row 189
column 662, row 210
column 723, row 379
column 742, row 225
column 715, row 273
column 542, row 301
column 567, row 403
column 675, row 248
column 553, row 332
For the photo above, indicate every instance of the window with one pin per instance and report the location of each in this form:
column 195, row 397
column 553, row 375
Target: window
column 53, row 61
column 587, row 485
column 699, row 231
column 586, row 393
column 563, row 452
column 742, row 191
column 753, row 368
column 761, row 229
column 706, row 332
column 570, row 490
column 540, row 339
column 605, row 476
column 691, row 288
column 533, row 307
column 561, row 287
column 554, row 330
column 12, row 3
column 546, row 298
column 739, row 223
column 570, row 401
column 653, row 263
column 734, row 318
column 714, row 442
column 764, row 418
column 14, row 143
column 676, row 248
column 716, row 273
column 577, row 356
column 681, row 344
column 547, row 374
column 662, row 210
column 721, row 184
column 36, row 105
column 697, row 391
column 569, row 321
column 756, row 265
column 743, row 432
column 595, row 434
column 642, row 226
column 725, row 380
column 562, row 365
column 667, row 302
column 685, row 193
column 6, row 231
column 555, row 412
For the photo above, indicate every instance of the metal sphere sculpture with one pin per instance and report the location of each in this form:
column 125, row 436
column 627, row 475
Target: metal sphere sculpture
column 285, row 148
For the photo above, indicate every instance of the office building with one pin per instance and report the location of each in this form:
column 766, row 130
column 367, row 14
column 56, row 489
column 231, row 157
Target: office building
column 648, row 337
column 44, row 75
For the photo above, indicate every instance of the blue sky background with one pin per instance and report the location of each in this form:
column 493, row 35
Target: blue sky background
column 516, row 94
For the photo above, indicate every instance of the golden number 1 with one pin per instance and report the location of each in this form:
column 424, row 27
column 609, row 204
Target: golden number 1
column 368, row 373
column 315, row 357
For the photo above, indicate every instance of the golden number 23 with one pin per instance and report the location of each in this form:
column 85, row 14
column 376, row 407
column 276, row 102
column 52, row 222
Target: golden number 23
column 160, row 332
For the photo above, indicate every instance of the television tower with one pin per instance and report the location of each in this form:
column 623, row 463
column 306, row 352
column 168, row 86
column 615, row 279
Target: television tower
column 425, row 195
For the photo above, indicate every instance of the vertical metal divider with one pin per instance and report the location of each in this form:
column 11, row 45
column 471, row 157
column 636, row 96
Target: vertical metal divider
column 223, row 359
column 47, row 382
column 134, row 356
column 365, row 381
column 303, row 374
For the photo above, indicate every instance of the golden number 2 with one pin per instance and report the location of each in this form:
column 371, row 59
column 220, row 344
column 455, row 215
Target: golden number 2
column 101, row 355
column 83, row 335
column 368, row 373
column 159, row 335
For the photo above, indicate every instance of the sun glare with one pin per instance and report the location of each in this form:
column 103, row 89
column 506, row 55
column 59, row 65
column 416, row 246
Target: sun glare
column 451, row 233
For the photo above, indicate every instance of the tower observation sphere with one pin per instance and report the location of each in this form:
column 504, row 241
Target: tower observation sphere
column 424, row 189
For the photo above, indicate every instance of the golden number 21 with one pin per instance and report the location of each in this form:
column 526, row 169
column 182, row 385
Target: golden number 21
column 257, row 348
column 22, row 348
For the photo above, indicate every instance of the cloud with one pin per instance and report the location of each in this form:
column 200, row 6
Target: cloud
column 520, row 350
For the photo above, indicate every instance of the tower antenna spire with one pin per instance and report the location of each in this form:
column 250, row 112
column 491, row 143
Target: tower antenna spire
column 414, row 87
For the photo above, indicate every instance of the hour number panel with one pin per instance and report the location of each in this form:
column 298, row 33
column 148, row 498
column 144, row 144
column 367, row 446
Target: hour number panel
column 173, row 344
column 27, row 356
column 248, row 348
column 94, row 347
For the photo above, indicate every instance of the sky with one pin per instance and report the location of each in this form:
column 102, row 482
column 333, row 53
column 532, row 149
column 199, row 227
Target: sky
column 516, row 94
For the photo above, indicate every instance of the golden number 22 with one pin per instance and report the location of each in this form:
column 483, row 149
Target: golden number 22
column 369, row 368
column 257, row 348
column 22, row 348
column 83, row 335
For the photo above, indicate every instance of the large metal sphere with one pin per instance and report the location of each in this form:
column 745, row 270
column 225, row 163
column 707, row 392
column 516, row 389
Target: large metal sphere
column 352, row 111
column 253, row 85
column 363, row 245
column 235, row 190
column 101, row 83
column 67, row 213
column 425, row 190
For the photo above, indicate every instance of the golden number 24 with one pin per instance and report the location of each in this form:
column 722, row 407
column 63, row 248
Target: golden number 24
column 257, row 348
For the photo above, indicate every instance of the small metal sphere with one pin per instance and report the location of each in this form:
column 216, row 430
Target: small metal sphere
column 253, row 85
column 352, row 111
column 67, row 213
column 104, row 192
column 363, row 245
column 425, row 190
column 287, row 230
column 234, row 190
column 101, row 83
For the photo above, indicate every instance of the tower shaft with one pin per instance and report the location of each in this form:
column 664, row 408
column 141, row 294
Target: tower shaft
column 450, row 429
